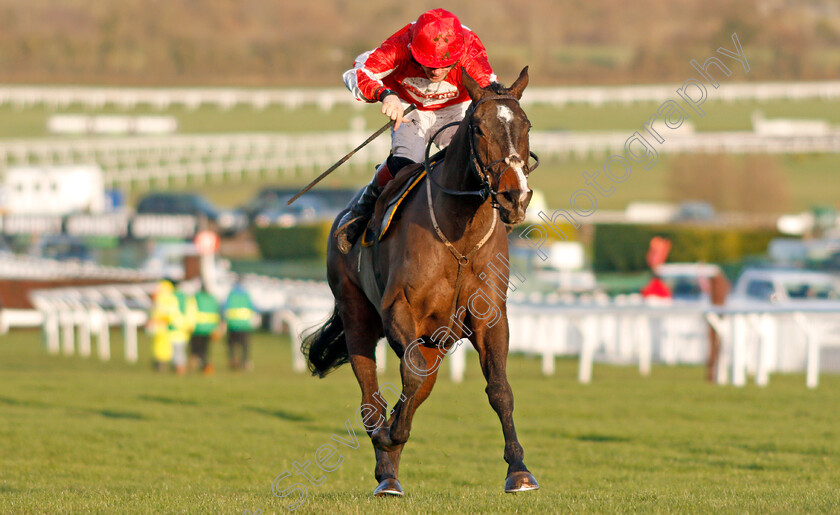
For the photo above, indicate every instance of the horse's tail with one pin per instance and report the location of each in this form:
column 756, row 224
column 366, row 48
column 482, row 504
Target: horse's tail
column 326, row 349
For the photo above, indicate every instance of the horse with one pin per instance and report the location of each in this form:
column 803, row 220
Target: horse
column 450, row 231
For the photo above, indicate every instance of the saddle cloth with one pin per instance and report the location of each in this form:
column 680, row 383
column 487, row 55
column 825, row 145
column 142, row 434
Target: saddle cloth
column 388, row 206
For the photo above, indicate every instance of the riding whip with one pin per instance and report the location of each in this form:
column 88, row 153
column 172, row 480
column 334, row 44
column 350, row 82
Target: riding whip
column 348, row 156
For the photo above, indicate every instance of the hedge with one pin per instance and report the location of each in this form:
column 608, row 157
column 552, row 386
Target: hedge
column 623, row 247
column 297, row 242
column 551, row 232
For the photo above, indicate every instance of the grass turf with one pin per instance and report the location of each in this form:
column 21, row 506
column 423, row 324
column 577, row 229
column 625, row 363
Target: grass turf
column 80, row 435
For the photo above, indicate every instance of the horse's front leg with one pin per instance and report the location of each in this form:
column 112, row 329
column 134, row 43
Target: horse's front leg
column 492, row 346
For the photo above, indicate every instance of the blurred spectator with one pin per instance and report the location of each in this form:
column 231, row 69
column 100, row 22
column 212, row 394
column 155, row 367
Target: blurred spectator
column 204, row 309
column 180, row 328
column 719, row 288
column 658, row 250
column 158, row 326
column 239, row 312
column 656, row 287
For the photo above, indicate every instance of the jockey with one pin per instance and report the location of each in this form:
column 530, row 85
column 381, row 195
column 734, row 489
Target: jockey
column 421, row 64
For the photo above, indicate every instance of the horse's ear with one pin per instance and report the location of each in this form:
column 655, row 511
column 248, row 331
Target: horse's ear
column 519, row 86
column 473, row 88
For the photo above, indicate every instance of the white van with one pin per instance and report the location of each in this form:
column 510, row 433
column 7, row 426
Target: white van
column 54, row 190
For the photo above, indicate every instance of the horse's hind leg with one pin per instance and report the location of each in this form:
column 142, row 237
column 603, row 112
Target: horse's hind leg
column 492, row 347
column 362, row 329
column 390, row 439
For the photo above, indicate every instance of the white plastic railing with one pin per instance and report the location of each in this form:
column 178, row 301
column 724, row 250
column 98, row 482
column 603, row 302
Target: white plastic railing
column 627, row 330
column 82, row 314
column 756, row 341
column 326, row 99
column 16, row 267
column 145, row 162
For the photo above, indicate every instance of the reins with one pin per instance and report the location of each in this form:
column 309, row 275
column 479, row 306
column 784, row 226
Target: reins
column 475, row 165
column 483, row 193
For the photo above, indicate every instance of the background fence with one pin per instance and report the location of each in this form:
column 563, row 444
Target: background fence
column 145, row 162
column 227, row 98
column 756, row 341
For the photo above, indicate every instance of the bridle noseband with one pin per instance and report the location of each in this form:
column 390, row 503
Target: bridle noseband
column 476, row 166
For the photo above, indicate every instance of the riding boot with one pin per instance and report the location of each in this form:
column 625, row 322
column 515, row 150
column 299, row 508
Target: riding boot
column 353, row 223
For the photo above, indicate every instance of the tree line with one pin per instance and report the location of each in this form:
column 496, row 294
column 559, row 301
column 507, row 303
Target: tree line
column 298, row 43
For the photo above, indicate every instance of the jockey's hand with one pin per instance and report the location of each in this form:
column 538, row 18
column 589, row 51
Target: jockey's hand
column 393, row 109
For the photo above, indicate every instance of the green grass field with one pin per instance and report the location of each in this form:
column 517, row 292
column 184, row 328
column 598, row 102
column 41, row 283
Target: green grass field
column 80, row 435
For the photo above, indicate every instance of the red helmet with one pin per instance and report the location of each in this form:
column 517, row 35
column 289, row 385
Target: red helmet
column 437, row 39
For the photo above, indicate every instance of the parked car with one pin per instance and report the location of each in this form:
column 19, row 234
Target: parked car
column 268, row 198
column 694, row 211
column 688, row 281
column 5, row 248
column 63, row 247
column 785, row 287
column 302, row 210
column 227, row 222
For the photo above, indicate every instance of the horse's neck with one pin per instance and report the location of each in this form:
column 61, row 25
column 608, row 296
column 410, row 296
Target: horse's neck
column 460, row 216
column 456, row 174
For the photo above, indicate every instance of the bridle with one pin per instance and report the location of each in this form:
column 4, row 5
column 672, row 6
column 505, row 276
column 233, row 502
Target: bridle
column 476, row 166
column 480, row 171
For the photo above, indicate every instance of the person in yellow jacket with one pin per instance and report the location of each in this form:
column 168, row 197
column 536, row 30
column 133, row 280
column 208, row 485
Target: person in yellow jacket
column 181, row 323
column 164, row 299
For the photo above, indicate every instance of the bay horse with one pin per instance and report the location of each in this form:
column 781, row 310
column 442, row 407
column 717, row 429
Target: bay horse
column 482, row 178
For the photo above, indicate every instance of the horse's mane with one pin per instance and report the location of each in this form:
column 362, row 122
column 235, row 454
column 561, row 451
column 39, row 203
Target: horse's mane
column 498, row 89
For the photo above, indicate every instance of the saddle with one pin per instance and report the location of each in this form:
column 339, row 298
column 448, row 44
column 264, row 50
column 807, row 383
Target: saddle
column 390, row 202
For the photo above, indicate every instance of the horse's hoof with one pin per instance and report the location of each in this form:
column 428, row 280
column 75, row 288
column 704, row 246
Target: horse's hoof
column 521, row 481
column 389, row 486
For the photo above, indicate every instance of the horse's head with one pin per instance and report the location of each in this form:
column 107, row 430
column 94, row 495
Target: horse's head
column 498, row 136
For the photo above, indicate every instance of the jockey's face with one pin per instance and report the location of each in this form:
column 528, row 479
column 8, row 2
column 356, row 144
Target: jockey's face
column 437, row 74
